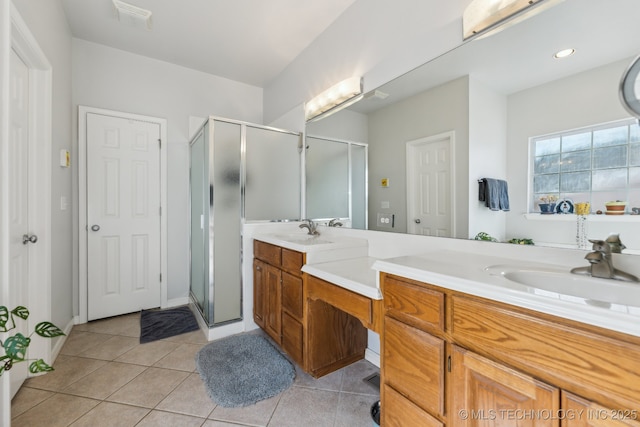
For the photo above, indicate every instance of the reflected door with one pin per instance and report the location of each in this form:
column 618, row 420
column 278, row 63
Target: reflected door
column 429, row 186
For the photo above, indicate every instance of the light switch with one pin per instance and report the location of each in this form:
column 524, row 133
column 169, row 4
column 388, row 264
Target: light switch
column 63, row 203
column 384, row 204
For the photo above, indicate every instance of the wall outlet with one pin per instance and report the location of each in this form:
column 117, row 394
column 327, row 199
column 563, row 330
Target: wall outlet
column 385, row 220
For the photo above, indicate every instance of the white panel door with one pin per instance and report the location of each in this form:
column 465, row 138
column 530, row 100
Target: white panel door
column 429, row 188
column 123, row 215
column 18, row 202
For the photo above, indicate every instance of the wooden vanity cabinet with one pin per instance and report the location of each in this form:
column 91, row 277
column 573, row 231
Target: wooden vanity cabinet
column 278, row 296
column 459, row 360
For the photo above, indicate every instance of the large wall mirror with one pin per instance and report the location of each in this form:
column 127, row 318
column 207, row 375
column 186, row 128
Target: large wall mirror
column 475, row 110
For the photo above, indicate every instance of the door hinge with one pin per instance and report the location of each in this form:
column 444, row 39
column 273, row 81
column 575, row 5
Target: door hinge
column 161, row 277
column 160, row 210
column 159, row 142
column 449, row 364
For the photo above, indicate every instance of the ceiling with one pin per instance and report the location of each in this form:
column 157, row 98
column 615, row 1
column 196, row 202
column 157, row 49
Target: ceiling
column 250, row 41
column 521, row 56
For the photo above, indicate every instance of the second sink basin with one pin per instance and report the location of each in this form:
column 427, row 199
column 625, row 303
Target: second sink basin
column 594, row 290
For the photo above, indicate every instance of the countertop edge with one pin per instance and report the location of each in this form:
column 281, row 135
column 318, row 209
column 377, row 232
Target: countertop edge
column 615, row 321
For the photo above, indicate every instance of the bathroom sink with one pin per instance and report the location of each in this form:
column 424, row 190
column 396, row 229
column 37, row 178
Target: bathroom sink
column 594, row 290
column 303, row 239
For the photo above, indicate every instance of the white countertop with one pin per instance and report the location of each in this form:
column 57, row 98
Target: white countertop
column 466, row 272
column 345, row 261
column 354, row 274
column 304, row 242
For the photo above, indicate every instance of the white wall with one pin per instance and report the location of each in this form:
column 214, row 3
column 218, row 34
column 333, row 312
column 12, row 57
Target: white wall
column 585, row 99
column 345, row 125
column 113, row 79
column 48, row 24
column 487, row 155
column 377, row 39
column 438, row 110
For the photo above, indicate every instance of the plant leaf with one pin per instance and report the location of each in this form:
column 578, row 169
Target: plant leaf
column 16, row 346
column 39, row 366
column 48, row 330
column 4, row 318
column 21, row 312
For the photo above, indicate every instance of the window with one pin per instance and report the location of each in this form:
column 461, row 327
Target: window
column 595, row 164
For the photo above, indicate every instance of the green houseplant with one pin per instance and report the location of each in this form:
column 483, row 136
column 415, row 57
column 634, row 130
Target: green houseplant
column 15, row 346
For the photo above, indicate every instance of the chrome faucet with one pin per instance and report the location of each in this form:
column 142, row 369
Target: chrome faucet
column 311, row 226
column 601, row 261
column 334, row 223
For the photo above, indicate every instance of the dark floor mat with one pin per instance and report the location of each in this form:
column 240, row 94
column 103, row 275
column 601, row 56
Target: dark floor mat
column 159, row 324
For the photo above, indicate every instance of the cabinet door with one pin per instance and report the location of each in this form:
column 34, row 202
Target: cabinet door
column 413, row 364
column 490, row 394
column 579, row 412
column 292, row 338
column 259, row 292
column 273, row 298
column 292, row 295
column 398, row 411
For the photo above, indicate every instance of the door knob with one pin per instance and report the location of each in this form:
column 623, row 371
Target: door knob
column 29, row 239
column 95, row 227
column 417, row 221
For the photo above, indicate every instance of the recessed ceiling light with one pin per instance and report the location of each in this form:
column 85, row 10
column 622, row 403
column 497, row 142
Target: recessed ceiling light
column 564, row 53
column 133, row 15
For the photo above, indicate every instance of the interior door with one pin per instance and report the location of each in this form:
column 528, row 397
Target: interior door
column 123, row 215
column 429, row 186
column 20, row 240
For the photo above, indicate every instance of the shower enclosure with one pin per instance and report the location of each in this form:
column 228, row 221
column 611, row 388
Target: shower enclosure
column 336, row 180
column 239, row 172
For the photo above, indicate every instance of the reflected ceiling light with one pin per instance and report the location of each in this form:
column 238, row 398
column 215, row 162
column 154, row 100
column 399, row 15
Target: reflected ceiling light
column 334, row 99
column 490, row 16
column 133, row 15
column 564, row 53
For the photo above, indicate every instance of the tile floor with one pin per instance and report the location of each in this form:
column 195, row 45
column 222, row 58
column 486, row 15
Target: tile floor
column 104, row 377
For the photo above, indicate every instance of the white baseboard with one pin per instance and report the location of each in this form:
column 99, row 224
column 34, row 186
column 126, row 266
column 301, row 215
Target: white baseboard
column 176, row 302
column 372, row 357
column 55, row 351
column 218, row 332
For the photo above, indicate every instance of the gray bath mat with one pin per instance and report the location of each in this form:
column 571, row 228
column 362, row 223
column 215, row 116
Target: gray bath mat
column 242, row 370
column 159, row 324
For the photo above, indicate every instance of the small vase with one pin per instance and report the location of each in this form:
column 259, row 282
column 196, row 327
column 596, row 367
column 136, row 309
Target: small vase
column 547, row 208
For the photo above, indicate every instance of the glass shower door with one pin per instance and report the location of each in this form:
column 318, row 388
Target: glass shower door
column 199, row 200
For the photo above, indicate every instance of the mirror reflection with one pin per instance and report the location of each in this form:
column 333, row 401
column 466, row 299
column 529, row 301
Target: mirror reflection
column 474, row 112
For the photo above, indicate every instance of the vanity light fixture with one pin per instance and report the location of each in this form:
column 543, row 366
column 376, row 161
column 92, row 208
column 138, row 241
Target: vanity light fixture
column 490, row 16
column 334, row 99
column 564, row 53
column 133, row 15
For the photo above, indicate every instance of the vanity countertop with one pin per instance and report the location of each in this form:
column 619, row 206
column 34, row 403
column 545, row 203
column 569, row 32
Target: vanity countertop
column 319, row 249
column 469, row 273
column 354, row 274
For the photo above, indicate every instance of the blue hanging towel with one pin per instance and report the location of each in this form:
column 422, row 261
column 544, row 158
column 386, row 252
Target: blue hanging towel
column 495, row 194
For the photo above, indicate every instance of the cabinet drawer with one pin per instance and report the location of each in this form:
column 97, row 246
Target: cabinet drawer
column 596, row 366
column 292, row 294
column 267, row 252
column 404, row 412
column 423, row 308
column 589, row 414
column 292, row 260
column 413, row 364
column 355, row 304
